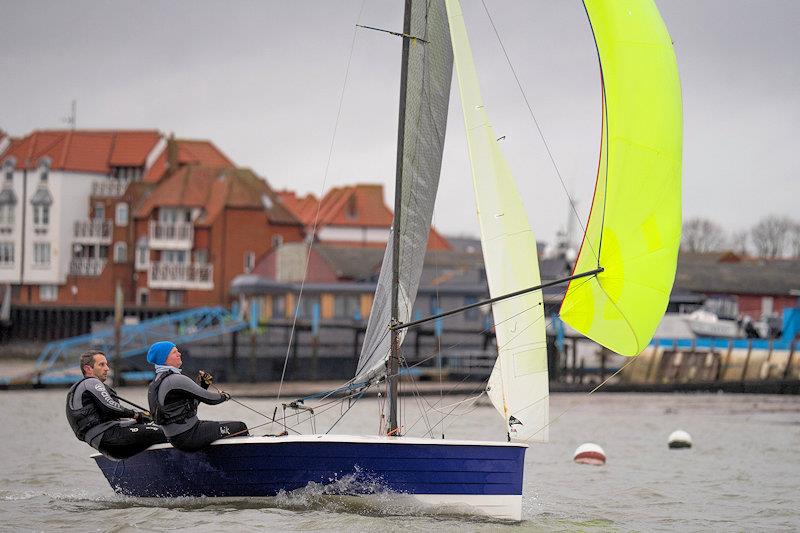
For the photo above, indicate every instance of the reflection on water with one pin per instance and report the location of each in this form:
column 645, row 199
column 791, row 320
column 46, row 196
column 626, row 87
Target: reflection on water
column 741, row 473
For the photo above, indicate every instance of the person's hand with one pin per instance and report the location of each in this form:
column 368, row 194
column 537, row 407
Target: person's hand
column 142, row 417
column 205, row 378
column 225, row 395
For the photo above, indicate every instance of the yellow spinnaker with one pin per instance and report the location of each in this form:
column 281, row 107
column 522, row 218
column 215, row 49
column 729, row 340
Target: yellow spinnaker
column 634, row 226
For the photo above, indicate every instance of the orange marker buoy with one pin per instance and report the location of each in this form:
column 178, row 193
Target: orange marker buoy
column 590, row 454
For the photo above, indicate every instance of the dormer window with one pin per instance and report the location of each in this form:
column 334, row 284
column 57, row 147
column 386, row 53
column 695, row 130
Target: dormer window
column 351, row 211
column 44, row 169
column 8, row 169
column 41, row 201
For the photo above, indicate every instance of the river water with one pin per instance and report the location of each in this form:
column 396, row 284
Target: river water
column 742, row 473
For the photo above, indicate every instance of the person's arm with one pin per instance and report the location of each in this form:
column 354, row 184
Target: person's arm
column 106, row 402
column 179, row 382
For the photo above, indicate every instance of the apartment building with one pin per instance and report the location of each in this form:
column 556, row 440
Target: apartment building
column 171, row 221
column 47, row 179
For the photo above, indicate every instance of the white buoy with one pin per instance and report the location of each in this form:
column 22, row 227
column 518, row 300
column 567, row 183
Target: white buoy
column 590, row 454
column 679, row 439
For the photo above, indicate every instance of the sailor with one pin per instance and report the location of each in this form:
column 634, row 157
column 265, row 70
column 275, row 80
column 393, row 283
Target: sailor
column 173, row 400
column 96, row 416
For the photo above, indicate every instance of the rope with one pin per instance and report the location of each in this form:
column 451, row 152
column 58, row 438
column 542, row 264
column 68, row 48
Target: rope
column 584, row 400
column 319, row 204
column 538, row 127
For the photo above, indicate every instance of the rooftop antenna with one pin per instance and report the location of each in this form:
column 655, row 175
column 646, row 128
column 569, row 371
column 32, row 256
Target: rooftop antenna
column 72, row 118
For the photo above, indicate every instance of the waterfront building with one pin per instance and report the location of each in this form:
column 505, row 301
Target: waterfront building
column 351, row 216
column 171, row 221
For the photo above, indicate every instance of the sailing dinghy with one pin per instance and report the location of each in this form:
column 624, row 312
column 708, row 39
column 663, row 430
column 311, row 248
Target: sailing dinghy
column 616, row 296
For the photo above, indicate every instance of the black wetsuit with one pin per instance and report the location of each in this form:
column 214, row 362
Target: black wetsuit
column 99, row 420
column 173, row 400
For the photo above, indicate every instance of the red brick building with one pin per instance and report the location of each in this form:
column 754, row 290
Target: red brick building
column 350, row 216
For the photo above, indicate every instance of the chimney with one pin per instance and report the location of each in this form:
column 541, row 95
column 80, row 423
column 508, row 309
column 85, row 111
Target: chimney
column 172, row 153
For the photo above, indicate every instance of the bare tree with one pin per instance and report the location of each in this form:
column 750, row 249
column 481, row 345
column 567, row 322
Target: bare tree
column 739, row 241
column 702, row 235
column 770, row 235
column 794, row 240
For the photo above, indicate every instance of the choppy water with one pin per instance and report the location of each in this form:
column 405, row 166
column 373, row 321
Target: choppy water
column 742, row 473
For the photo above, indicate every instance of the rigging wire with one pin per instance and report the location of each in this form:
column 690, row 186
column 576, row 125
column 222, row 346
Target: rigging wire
column 584, row 400
column 539, row 129
column 319, row 203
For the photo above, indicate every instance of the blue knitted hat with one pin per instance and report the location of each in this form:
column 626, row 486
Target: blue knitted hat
column 158, row 352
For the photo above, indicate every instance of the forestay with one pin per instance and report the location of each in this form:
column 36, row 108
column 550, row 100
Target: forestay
column 634, row 227
column 518, row 386
column 425, row 101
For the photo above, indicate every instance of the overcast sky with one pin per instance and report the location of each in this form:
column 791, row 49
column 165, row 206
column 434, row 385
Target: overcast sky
column 263, row 80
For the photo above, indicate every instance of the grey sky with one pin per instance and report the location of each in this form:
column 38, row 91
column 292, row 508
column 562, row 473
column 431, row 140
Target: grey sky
column 262, row 80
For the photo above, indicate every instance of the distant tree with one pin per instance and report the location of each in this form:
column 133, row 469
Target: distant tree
column 794, row 240
column 702, row 235
column 739, row 241
column 770, row 235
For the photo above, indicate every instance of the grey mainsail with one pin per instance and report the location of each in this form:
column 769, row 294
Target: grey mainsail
column 425, row 101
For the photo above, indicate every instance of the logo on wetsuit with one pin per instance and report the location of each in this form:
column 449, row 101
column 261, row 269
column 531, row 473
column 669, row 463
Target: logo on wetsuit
column 223, row 430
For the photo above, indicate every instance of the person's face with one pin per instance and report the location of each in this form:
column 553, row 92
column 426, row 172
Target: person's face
column 174, row 358
column 99, row 368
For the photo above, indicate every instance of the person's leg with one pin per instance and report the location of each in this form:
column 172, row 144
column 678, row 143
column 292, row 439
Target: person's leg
column 123, row 442
column 206, row 432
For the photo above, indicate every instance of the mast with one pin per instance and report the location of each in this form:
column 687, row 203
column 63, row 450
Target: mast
column 393, row 363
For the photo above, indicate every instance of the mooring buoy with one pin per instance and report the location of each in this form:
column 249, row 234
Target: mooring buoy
column 679, row 439
column 590, row 453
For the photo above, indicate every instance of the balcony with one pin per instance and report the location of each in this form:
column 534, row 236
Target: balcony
column 92, row 232
column 171, row 235
column 181, row 276
column 112, row 188
column 86, row 266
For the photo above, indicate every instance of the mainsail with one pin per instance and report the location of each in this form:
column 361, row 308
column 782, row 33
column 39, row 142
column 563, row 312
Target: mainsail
column 425, row 98
column 518, row 386
column 634, row 227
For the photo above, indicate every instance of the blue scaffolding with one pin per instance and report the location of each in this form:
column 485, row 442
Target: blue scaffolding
column 57, row 364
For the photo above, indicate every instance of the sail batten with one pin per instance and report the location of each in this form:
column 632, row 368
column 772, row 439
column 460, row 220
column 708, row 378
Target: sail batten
column 510, row 259
column 633, row 230
column 425, row 98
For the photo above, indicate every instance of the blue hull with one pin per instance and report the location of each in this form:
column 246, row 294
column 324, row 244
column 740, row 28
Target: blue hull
column 263, row 466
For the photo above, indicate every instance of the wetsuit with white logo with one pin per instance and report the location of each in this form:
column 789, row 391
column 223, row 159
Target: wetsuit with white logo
column 97, row 418
column 173, row 400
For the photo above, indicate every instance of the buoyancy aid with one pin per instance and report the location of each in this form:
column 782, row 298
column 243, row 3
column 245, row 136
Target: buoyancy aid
column 83, row 419
column 175, row 412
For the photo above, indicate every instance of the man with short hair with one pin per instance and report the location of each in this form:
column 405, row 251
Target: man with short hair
column 173, row 400
column 97, row 418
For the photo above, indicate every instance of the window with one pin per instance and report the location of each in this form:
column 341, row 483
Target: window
column 44, row 168
column 475, row 312
column 175, row 298
column 249, row 262
column 345, row 305
column 142, row 254
column 41, row 214
column 120, row 252
column 121, row 218
column 48, row 293
column 8, row 169
column 173, row 256
column 278, row 306
column 6, row 253
column 41, row 254
column 277, row 241
column 7, row 214
column 142, row 296
column 102, row 251
column 99, row 211
column 307, row 304
column 201, row 256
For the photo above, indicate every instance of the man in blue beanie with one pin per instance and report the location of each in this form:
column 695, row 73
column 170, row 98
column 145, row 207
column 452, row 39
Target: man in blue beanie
column 174, row 398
